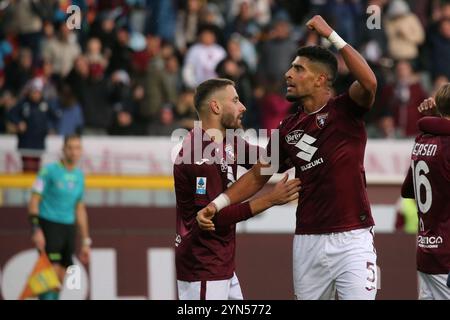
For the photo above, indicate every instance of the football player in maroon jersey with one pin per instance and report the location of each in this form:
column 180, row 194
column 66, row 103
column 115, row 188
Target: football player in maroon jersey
column 428, row 182
column 325, row 142
column 204, row 260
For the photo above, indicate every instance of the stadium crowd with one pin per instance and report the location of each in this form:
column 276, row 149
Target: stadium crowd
column 132, row 66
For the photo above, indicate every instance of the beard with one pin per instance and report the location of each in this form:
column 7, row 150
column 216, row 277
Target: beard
column 299, row 97
column 230, row 122
column 292, row 98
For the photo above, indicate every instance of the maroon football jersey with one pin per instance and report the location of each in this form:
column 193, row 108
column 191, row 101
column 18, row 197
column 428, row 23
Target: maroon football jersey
column 327, row 149
column 428, row 181
column 211, row 168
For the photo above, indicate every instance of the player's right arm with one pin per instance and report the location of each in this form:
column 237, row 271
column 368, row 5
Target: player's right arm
column 363, row 90
column 245, row 187
column 284, row 191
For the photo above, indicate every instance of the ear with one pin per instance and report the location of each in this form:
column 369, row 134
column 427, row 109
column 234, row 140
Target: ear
column 321, row 80
column 214, row 107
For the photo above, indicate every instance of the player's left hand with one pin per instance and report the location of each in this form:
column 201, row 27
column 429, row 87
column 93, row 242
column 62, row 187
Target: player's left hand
column 205, row 216
column 85, row 254
column 318, row 24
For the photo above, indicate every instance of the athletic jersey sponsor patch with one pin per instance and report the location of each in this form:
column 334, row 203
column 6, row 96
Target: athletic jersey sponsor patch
column 201, row 185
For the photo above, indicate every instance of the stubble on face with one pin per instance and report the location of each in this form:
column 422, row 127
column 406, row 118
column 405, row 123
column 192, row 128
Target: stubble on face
column 229, row 121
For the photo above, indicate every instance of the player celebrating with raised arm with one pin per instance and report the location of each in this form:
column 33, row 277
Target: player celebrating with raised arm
column 325, row 141
column 205, row 260
column 428, row 182
column 55, row 209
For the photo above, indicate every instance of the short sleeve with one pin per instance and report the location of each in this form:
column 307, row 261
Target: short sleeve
column 183, row 184
column 41, row 181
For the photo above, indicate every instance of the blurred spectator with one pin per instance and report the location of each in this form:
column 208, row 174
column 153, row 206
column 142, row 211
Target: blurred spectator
column 139, row 55
column 374, row 42
column 274, row 106
column 165, row 124
column 27, row 23
column 185, row 113
column 138, row 15
column 345, row 17
column 188, row 20
column 48, row 10
column 247, row 51
column 202, row 58
column 78, row 79
column 440, row 10
column 400, row 99
column 154, row 48
column 103, row 28
column 97, row 110
column 19, row 71
column 404, row 31
column 62, row 50
column 234, row 68
column 120, row 52
column 71, row 120
column 120, row 98
column 50, row 91
column 94, row 54
column 163, row 19
column 31, row 119
column 212, row 15
column 230, row 69
column 138, row 101
column 277, row 51
column 439, row 46
column 260, row 10
column 162, row 86
column 425, row 10
column 244, row 22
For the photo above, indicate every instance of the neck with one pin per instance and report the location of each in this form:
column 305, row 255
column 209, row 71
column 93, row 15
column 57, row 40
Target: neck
column 215, row 127
column 67, row 164
column 313, row 103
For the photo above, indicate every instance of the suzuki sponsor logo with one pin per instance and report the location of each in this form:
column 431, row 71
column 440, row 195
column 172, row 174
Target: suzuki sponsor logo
column 307, row 150
column 312, row 164
column 429, row 242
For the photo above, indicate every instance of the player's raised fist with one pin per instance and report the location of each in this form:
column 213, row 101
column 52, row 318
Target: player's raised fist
column 318, row 24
